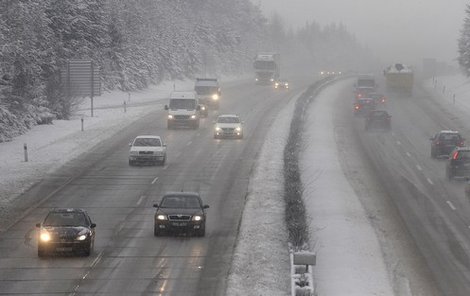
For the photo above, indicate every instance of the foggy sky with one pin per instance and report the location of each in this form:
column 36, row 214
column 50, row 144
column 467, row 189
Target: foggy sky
column 396, row 30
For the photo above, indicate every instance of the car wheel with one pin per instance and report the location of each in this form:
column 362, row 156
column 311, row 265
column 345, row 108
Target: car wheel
column 201, row 232
column 87, row 250
column 156, row 232
column 433, row 153
column 162, row 163
column 41, row 252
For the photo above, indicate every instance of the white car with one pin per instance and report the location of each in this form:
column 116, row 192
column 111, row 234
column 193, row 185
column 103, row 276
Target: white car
column 147, row 149
column 228, row 126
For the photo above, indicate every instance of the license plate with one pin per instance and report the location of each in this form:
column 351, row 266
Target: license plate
column 64, row 249
column 179, row 224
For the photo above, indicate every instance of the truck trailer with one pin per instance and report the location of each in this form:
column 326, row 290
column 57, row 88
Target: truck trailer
column 267, row 67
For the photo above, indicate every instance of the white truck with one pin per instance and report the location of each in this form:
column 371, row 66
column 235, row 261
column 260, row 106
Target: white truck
column 267, row 67
column 183, row 110
column 208, row 92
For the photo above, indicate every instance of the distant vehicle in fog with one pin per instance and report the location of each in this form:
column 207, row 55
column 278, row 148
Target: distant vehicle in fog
column 378, row 119
column 363, row 106
column 443, row 142
column 378, row 97
column 399, row 78
column 458, row 165
column 267, row 66
column 147, row 149
column 364, row 85
column 281, row 83
column 208, row 92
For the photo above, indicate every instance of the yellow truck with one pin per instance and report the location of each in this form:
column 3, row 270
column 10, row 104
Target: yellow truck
column 399, row 78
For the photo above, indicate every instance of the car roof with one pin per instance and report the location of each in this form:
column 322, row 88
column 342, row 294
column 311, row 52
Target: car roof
column 448, row 132
column 67, row 210
column 228, row 115
column 181, row 193
column 183, row 95
column 148, row 136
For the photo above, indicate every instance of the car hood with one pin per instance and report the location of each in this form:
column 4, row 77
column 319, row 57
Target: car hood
column 65, row 231
column 147, row 148
column 175, row 211
column 182, row 112
column 228, row 125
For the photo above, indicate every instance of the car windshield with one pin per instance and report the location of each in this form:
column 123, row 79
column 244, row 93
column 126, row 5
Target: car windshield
column 65, row 219
column 206, row 90
column 449, row 137
column 183, row 104
column 147, row 142
column 228, row 119
column 184, row 201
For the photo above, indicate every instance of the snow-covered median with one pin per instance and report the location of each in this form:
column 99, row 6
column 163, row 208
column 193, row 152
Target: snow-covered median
column 349, row 257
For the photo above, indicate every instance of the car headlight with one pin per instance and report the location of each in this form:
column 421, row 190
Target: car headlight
column 162, row 217
column 193, row 116
column 82, row 235
column 45, row 236
column 203, row 108
column 133, row 153
column 238, row 129
column 217, row 129
column 197, row 218
column 215, row 97
column 170, row 116
column 272, row 79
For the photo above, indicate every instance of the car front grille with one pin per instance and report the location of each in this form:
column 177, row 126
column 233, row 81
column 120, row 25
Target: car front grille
column 145, row 152
column 179, row 217
column 181, row 117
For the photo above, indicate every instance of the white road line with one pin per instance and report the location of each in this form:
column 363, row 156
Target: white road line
column 408, row 154
column 140, row 200
column 430, row 181
column 154, row 180
column 419, row 167
column 189, row 143
column 451, row 205
column 165, row 167
column 398, row 142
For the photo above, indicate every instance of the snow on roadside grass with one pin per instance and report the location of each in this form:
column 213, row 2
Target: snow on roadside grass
column 51, row 146
column 261, row 262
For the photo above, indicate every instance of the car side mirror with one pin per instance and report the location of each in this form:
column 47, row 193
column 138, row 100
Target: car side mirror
column 205, row 207
column 130, row 144
column 38, row 225
column 166, row 107
column 198, row 107
column 93, row 225
column 164, row 145
column 156, row 206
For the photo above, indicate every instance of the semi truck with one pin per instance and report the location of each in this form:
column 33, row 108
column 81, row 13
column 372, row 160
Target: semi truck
column 267, row 67
column 399, row 78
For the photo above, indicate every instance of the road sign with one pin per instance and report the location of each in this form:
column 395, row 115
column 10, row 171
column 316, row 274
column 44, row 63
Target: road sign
column 81, row 78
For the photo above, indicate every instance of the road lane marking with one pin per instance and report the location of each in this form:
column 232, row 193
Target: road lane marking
column 451, row 205
column 140, row 200
column 430, row 181
column 154, row 180
column 189, row 143
column 165, row 167
column 408, row 154
column 419, row 167
column 398, row 142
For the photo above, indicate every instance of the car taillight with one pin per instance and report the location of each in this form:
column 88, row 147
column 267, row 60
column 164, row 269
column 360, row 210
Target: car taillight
column 456, row 155
column 461, row 144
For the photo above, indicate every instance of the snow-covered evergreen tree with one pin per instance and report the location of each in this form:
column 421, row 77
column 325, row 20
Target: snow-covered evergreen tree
column 464, row 44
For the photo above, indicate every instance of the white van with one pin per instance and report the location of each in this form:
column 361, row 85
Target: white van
column 183, row 110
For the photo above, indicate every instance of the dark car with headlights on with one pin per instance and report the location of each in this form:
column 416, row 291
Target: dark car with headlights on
column 378, row 119
column 444, row 142
column 180, row 212
column 458, row 165
column 66, row 230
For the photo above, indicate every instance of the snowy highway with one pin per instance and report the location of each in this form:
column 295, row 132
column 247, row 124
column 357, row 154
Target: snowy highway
column 128, row 259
